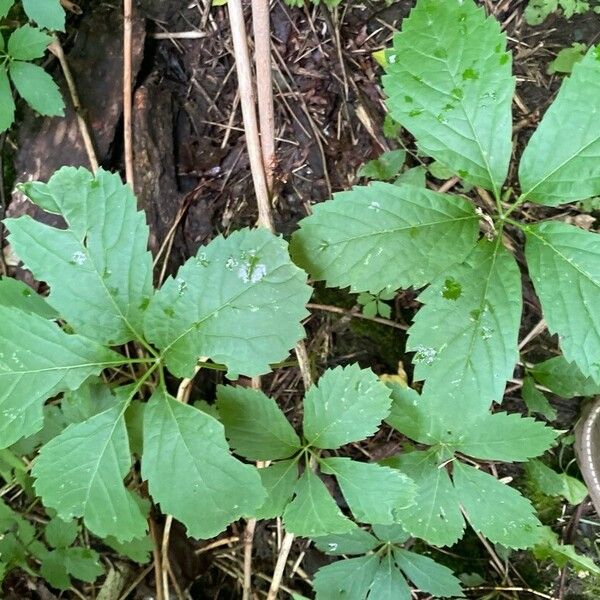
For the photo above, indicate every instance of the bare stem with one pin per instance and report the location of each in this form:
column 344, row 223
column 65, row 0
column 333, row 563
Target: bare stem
column 127, row 92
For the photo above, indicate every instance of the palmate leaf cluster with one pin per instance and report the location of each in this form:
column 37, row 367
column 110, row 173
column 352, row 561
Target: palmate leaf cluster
column 24, row 44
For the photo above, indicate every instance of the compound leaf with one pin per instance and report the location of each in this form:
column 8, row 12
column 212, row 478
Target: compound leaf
column 99, row 269
column 239, row 301
column 506, row 437
column 388, row 583
column 346, row 579
column 37, row 88
column 254, row 424
column 564, row 264
column 313, row 512
column 465, row 337
column 37, row 361
column 569, row 140
column 80, row 474
column 384, row 236
column 494, row 509
column 552, row 483
column 564, row 378
column 27, row 43
column 373, row 492
column 48, row 14
column 410, row 414
column 7, row 104
column 357, row 541
column 428, row 575
column 396, row 534
column 279, row 481
column 549, row 547
column 449, row 83
column 19, row 295
column 347, row 405
column 190, row 470
column 436, row 515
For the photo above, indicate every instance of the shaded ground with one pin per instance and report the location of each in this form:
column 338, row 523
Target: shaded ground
column 193, row 179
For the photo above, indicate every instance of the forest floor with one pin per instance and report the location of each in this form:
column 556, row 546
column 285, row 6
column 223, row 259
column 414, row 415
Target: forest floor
column 193, row 179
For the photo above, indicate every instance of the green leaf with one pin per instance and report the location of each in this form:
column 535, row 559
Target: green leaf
column 435, row 516
column 395, row 534
column 505, row 437
column 99, row 269
column 7, row 104
column 93, row 397
column 5, row 6
column 567, row 58
column 374, row 493
column 254, row 424
column 564, row 264
column 564, row 379
column 37, row 361
column 415, row 176
column 54, row 423
column 449, row 83
column 410, row 414
column 313, row 512
column 347, row 405
column 384, row 236
column 386, row 167
column 494, row 509
column 346, row 579
column 537, row 11
column 439, row 171
column 216, row 489
column 19, row 295
column 551, row 483
column 465, row 337
column 428, row 575
column 279, row 481
column 80, row 474
column 27, row 43
column 60, row 533
column 357, row 541
column 535, row 400
column 37, row 88
column 48, row 14
column 549, row 548
column 81, row 563
column 388, row 583
column 138, row 550
column 569, row 140
column 239, row 301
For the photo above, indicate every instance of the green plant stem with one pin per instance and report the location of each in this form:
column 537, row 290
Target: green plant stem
column 520, row 200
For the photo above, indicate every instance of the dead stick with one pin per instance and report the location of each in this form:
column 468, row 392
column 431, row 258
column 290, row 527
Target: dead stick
column 264, row 85
column 244, row 72
column 56, row 49
column 127, row 92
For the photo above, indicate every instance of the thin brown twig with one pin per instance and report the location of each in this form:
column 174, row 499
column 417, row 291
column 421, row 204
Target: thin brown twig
column 127, row 92
column 56, row 49
column 248, row 543
column 356, row 315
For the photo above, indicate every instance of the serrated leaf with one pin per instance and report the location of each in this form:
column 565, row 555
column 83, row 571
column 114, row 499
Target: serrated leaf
column 313, row 512
column 505, row 437
column 7, row 104
column 494, row 509
column 216, row 489
column 386, row 167
column 549, row 548
column 535, row 400
column 346, row 579
column 567, row 58
column 569, row 140
column 552, row 483
column 410, row 414
column 138, row 550
column 537, row 11
column 346, row 405
column 91, row 398
column 564, row 378
column 279, row 481
column 384, row 236
column 388, row 583
column 465, row 337
column 416, row 176
column 19, row 295
column 27, row 43
column 396, row 534
column 564, row 265
column 80, row 474
column 374, row 493
column 37, row 361
column 48, row 14
column 450, row 85
column 37, row 88
column 99, row 269
column 357, row 541
column 54, row 423
column 81, row 563
column 239, row 301
column 428, row 575
column 254, row 425
column 60, row 533
column 436, row 515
